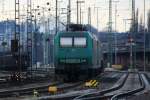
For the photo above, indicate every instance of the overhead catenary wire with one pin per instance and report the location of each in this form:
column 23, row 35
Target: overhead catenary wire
column 144, row 39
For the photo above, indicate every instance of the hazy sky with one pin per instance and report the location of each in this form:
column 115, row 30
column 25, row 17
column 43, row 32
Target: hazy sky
column 124, row 10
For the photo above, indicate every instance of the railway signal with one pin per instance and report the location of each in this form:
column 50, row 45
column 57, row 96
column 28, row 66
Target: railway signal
column 131, row 44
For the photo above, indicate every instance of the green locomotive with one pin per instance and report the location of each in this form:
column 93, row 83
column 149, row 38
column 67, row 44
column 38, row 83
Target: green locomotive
column 77, row 54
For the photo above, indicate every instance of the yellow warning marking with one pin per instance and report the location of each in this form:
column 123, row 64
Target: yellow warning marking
column 95, row 84
column 91, row 83
column 52, row 89
column 88, row 84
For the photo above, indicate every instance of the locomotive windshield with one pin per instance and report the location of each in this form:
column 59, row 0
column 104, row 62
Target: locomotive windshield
column 66, row 41
column 80, row 41
column 73, row 42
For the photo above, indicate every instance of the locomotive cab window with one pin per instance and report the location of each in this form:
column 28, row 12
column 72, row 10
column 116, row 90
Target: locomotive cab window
column 80, row 42
column 66, row 41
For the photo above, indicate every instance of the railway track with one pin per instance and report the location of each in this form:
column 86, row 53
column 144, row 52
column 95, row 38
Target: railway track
column 98, row 94
column 131, row 92
column 8, row 92
column 78, row 91
column 75, row 91
column 112, row 94
column 42, row 89
column 28, row 89
column 7, row 82
column 143, row 95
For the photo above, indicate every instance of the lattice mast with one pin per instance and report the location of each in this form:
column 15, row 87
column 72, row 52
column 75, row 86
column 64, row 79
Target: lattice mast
column 89, row 17
column 110, row 35
column 29, row 32
column 133, row 15
column 16, row 41
column 69, row 12
column 56, row 20
column 133, row 34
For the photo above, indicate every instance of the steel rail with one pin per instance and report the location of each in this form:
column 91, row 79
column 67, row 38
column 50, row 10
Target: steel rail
column 132, row 92
column 26, row 90
column 98, row 94
column 77, row 93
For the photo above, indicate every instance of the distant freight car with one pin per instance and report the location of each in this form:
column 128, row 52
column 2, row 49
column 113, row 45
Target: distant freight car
column 8, row 62
column 77, row 53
